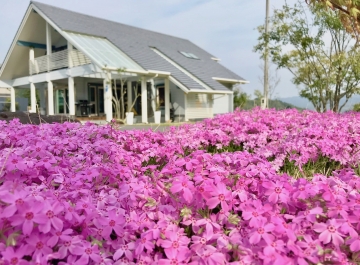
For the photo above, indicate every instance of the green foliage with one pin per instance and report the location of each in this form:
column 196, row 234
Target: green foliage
column 7, row 105
column 325, row 71
column 240, row 98
column 322, row 165
column 356, row 107
column 25, row 93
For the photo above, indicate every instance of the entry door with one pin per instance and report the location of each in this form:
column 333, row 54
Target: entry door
column 62, row 101
column 96, row 99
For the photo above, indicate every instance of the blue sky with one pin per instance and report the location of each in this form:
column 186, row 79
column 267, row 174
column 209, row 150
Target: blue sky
column 225, row 28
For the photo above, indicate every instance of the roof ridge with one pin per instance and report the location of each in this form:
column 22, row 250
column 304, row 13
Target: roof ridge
column 112, row 21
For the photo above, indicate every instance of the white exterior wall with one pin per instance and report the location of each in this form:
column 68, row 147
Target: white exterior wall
column 178, row 100
column 222, row 103
column 199, row 106
column 81, row 91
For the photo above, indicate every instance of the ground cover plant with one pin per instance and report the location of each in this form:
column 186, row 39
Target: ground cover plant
column 257, row 187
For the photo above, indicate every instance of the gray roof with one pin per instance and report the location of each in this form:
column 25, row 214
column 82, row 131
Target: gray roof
column 137, row 43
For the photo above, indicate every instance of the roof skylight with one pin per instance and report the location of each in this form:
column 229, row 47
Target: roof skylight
column 190, row 55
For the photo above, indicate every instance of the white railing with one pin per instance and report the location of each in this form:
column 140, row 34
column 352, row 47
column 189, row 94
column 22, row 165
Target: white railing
column 57, row 60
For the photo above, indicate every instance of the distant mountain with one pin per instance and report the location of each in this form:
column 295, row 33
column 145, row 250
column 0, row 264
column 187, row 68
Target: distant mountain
column 273, row 103
column 306, row 104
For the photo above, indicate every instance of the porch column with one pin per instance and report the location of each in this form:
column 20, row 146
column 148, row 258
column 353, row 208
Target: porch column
column 12, row 100
column 153, row 96
column 144, row 118
column 108, row 97
column 32, row 98
column 71, row 102
column 167, row 99
column 32, row 69
column 70, row 49
column 50, row 95
column 48, row 46
column 231, row 102
column 41, row 90
column 129, row 96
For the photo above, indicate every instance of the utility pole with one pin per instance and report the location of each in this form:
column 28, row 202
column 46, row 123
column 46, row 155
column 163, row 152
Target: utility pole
column 266, row 57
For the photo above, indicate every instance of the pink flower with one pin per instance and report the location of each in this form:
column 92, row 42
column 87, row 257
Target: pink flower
column 125, row 249
column 175, row 243
column 200, row 242
column 73, row 246
column 254, row 211
column 15, row 201
column 209, row 255
column 51, row 219
column 37, row 244
column 64, row 236
column 274, row 247
column 329, row 232
column 263, row 231
column 113, row 222
column 14, row 257
column 219, row 194
column 144, row 242
column 175, row 259
column 27, row 217
column 276, row 191
column 88, row 252
column 183, row 184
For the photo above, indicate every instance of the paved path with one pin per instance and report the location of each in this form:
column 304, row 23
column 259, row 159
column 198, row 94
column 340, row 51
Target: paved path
column 155, row 127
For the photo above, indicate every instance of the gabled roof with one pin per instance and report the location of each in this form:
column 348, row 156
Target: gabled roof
column 138, row 44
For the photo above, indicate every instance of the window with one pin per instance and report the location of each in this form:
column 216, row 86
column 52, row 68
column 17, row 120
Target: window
column 190, row 55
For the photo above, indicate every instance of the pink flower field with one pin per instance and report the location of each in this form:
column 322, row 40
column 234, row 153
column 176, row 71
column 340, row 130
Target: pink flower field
column 257, row 187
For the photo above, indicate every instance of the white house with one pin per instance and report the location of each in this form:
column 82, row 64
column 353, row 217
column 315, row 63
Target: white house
column 72, row 60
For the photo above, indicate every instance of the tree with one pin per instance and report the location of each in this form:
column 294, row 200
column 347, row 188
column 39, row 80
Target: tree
column 240, row 98
column 324, row 73
column 274, row 81
column 25, row 93
column 118, row 100
column 348, row 13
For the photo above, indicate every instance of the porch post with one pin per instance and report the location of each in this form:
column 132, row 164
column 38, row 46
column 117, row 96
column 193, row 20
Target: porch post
column 12, row 100
column 71, row 102
column 108, row 97
column 129, row 95
column 50, row 95
column 153, row 96
column 32, row 98
column 32, row 69
column 48, row 46
column 167, row 99
column 41, row 90
column 144, row 117
column 70, row 49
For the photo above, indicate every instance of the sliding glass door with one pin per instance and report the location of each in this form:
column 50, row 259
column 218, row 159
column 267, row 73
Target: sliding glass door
column 61, row 101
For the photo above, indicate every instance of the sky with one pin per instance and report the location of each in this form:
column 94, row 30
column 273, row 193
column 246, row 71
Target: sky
column 225, row 28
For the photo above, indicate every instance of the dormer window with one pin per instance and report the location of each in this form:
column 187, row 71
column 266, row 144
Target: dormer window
column 190, row 55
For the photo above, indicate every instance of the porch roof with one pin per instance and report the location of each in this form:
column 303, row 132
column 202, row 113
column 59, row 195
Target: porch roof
column 137, row 44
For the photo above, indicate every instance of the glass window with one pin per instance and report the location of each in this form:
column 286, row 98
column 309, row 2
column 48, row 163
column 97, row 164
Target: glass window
column 103, row 51
column 190, row 55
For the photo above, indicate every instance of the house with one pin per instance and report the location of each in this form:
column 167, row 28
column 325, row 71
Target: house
column 72, row 60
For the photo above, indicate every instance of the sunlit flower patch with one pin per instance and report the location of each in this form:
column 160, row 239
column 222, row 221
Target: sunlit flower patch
column 258, row 187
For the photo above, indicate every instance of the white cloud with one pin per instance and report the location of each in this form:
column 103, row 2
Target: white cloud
column 225, row 28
